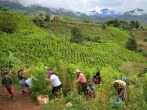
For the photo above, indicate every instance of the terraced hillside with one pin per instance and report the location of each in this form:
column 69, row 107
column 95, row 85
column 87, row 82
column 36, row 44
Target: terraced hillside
column 33, row 44
column 39, row 47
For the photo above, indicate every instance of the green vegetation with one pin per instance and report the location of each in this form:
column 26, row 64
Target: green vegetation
column 7, row 22
column 131, row 44
column 102, row 49
column 124, row 24
column 77, row 36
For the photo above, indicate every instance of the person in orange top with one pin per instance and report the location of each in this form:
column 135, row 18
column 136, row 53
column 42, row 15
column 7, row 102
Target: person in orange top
column 81, row 79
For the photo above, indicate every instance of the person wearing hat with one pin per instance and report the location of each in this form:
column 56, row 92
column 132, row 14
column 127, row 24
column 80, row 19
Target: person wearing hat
column 55, row 81
column 120, row 86
column 81, row 79
column 8, row 83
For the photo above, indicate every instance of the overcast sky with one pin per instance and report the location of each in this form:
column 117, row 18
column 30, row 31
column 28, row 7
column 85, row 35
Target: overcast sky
column 88, row 5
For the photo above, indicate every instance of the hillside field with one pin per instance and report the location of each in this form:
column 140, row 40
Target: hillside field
column 37, row 48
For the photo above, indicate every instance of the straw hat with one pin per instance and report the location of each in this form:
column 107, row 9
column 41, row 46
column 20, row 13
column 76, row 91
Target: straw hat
column 77, row 71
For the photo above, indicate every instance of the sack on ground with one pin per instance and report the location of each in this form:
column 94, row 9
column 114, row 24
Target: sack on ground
column 42, row 99
column 116, row 101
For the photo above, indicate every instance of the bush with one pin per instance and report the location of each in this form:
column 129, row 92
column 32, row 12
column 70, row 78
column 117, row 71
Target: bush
column 77, row 36
column 42, row 21
column 145, row 85
column 145, row 40
column 104, row 26
column 40, row 86
column 143, row 72
column 131, row 44
column 7, row 23
column 142, row 51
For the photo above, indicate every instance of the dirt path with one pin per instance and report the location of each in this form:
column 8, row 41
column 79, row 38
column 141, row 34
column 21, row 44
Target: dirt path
column 21, row 103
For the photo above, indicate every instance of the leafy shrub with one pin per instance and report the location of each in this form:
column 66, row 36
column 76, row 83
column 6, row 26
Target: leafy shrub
column 42, row 21
column 145, row 40
column 40, row 86
column 145, row 85
column 8, row 59
column 3, row 9
column 131, row 44
column 77, row 36
column 143, row 72
column 7, row 23
column 142, row 51
column 114, row 22
column 39, row 21
column 104, row 26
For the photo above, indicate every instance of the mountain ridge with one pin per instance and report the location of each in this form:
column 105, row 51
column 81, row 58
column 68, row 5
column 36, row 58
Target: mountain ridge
column 102, row 16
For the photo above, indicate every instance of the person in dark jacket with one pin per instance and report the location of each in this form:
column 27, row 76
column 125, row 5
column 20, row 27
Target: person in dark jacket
column 21, row 79
column 8, row 83
column 96, row 78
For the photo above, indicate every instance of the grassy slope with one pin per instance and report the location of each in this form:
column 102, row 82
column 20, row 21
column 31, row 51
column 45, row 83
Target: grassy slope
column 92, row 30
column 25, row 27
column 141, row 35
column 90, row 54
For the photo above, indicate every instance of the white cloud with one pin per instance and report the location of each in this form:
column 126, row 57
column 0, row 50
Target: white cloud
column 87, row 5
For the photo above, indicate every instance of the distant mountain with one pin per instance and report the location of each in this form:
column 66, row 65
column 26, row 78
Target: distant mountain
column 94, row 16
column 136, row 15
column 104, row 13
column 136, row 11
column 14, row 5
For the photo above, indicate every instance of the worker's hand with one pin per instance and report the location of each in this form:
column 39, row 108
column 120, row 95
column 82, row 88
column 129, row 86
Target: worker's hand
column 117, row 94
column 46, row 79
column 76, row 81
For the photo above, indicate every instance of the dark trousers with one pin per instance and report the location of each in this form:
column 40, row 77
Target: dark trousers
column 83, row 88
column 56, row 90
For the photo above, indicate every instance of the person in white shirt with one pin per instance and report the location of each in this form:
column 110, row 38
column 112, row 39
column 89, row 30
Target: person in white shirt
column 55, row 81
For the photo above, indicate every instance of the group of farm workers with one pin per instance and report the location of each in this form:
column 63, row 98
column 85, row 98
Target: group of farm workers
column 84, row 87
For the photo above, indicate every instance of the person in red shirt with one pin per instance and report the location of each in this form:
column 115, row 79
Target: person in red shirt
column 81, row 79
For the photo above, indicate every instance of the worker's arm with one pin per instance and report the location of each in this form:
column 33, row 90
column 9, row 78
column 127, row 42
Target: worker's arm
column 49, row 80
column 121, row 92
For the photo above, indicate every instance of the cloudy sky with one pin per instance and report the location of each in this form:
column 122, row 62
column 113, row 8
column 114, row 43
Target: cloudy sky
column 88, row 5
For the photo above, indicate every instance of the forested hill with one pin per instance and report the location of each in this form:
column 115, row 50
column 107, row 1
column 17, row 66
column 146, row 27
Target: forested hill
column 101, row 48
